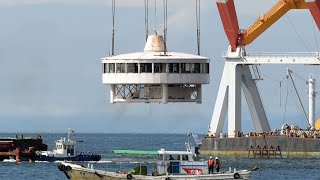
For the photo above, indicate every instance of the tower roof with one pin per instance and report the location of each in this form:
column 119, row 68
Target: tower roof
column 154, row 43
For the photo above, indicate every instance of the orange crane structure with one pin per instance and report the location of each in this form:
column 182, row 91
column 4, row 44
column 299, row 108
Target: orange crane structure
column 240, row 71
column 240, row 74
column 238, row 37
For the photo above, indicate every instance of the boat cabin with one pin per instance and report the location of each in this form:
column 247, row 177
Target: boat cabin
column 63, row 148
column 180, row 162
column 173, row 162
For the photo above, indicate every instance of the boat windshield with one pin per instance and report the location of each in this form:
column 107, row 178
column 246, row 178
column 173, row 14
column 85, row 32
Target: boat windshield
column 167, row 157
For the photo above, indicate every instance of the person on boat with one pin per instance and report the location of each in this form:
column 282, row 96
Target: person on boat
column 210, row 165
column 184, row 157
column 169, row 169
column 218, row 164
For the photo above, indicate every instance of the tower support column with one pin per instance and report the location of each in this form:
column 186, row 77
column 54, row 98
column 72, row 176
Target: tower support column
column 112, row 93
column 236, row 75
column 164, row 93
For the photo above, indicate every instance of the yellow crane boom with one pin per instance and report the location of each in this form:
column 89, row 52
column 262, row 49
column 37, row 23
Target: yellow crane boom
column 272, row 16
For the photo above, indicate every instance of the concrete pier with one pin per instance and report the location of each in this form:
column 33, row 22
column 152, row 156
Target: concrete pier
column 239, row 146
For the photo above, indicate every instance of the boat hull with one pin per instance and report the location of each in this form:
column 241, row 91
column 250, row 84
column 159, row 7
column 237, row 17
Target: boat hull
column 240, row 146
column 77, row 172
column 74, row 158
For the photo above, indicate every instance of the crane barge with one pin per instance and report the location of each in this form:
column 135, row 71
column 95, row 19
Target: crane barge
column 286, row 142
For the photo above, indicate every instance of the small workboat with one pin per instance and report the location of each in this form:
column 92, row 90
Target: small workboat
column 65, row 150
column 170, row 165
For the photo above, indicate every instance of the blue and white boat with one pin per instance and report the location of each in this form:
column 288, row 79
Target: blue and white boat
column 65, row 150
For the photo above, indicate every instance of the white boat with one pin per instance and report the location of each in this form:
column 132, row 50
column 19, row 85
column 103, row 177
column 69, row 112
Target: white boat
column 181, row 165
column 65, row 150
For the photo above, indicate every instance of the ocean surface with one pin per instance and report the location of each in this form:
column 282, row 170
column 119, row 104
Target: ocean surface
column 103, row 144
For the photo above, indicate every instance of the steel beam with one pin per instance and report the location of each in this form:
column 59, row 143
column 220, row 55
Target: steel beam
column 228, row 101
column 314, row 7
column 229, row 20
column 311, row 58
column 221, row 106
column 252, row 95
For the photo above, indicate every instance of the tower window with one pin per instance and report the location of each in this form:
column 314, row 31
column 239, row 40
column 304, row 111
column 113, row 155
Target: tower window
column 159, row 67
column 111, row 68
column 206, row 68
column 174, row 68
column 196, row 68
column 132, row 67
column 146, row 68
column 121, row 67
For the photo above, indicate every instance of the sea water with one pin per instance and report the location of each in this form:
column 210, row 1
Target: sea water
column 103, row 144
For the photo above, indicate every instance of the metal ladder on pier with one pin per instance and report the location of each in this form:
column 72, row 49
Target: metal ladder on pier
column 256, row 76
column 263, row 150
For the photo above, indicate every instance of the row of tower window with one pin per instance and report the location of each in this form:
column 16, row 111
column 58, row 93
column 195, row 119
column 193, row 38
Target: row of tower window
column 200, row 68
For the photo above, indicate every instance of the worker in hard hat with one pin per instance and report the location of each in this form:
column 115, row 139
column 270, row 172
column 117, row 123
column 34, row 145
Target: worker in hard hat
column 210, row 165
column 218, row 164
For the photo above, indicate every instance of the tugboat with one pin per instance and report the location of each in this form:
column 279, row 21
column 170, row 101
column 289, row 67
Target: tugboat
column 65, row 150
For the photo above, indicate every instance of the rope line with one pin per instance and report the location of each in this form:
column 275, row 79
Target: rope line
column 299, row 76
column 305, row 45
column 146, row 17
column 165, row 24
column 155, row 15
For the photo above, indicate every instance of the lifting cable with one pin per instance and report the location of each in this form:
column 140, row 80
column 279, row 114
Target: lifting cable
column 299, row 99
column 297, row 94
column 146, row 17
column 303, row 42
column 165, row 24
column 280, row 99
column 280, row 88
column 113, row 24
column 155, row 16
column 198, row 25
column 306, row 81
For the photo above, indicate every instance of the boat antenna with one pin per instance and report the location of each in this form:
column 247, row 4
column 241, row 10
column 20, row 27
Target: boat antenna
column 69, row 134
column 146, row 17
column 113, row 24
column 198, row 25
column 165, row 24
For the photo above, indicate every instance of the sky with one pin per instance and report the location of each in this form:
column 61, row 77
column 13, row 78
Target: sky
column 50, row 64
